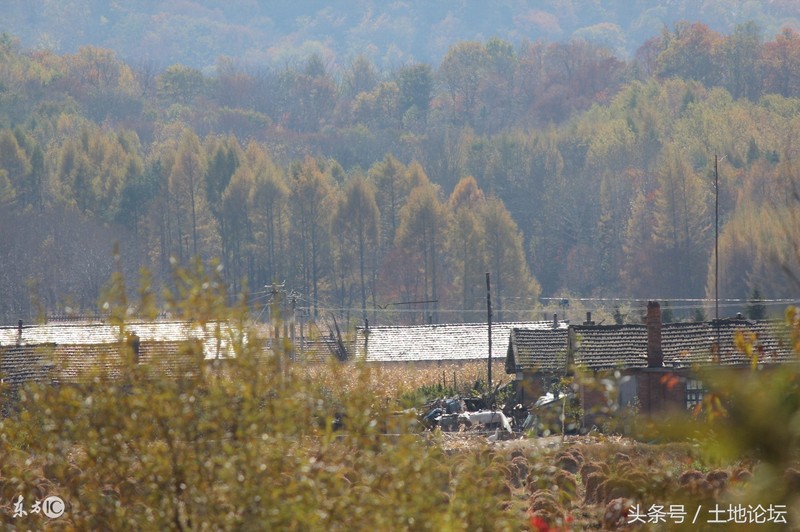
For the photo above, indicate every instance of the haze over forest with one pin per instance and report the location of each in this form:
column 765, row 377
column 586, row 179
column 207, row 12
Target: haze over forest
column 389, row 34
column 381, row 153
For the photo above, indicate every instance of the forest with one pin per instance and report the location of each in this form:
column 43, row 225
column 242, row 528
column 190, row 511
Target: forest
column 271, row 34
column 565, row 169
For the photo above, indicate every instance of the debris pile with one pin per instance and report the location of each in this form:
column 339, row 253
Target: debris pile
column 467, row 414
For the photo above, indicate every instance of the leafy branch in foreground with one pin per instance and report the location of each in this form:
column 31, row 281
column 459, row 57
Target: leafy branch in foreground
column 246, row 441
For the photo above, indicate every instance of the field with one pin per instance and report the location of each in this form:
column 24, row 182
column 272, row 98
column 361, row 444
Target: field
column 257, row 445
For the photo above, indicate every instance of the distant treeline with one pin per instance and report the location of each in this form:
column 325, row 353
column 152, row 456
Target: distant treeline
column 560, row 168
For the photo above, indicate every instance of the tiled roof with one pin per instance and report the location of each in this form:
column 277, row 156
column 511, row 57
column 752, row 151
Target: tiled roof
column 20, row 364
column 73, row 352
column 610, row 346
column 625, row 346
column 690, row 343
column 104, row 333
column 432, row 343
column 538, row 349
column 171, row 359
column 80, row 362
column 682, row 344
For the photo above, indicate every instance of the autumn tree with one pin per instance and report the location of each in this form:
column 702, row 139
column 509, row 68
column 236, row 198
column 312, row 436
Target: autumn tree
column 187, row 191
column 416, row 84
column 268, row 203
column 233, row 87
column 15, row 164
column 308, row 97
column 223, row 161
column 465, row 243
column 180, row 84
column 422, row 222
column 691, row 52
column 7, row 193
column 30, row 179
column 310, row 199
column 614, row 152
column 94, row 167
column 359, row 77
column 378, row 108
column 513, row 285
column 754, row 246
column 460, row 75
column 391, row 184
column 781, row 62
column 104, row 84
column 238, row 234
column 139, row 193
column 576, row 75
column 682, row 226
column 529, row 81
column 357, row 220
column 497, row 92
column 742, row 71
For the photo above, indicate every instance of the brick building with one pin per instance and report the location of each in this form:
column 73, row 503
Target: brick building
column 652, row 363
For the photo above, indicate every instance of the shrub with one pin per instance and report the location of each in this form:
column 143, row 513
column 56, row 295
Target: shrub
column 518, row 471
column 587, row 469
column 244, row 442
column 567, row 484
column 595, row 483
column 544, row 500
column 567, row 462
column 616, row 513
column 690, row 476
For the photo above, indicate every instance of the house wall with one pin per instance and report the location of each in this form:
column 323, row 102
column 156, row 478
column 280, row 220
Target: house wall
column 529, row 386
column 594, row 402
column 660, row 390
column 652, row 391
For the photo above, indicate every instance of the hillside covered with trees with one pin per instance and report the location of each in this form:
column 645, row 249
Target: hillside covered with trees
column 564, row 168
column 272, row 34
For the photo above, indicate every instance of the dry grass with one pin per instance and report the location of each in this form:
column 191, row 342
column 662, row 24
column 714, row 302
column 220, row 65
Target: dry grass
column 393, row 381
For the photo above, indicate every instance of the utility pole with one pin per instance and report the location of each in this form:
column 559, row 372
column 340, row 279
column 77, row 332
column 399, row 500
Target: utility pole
column 489, row 321
column 716, row 246
column 294, row 316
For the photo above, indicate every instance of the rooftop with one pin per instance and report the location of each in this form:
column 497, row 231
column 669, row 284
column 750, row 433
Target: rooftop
column 625, row 346
column 93, row 333
column 435, row 343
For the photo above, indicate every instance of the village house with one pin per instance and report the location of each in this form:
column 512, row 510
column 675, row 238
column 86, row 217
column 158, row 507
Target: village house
column 654, row 361
column 74, row 351
column 439, row 344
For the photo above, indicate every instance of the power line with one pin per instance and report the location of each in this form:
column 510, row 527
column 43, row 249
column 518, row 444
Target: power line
column 732, row 303
column 668, row 300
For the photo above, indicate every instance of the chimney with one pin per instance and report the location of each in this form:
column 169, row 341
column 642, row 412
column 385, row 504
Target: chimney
column 555, row 321
column 655, row 357
column 589, row 318
column 19, row 332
